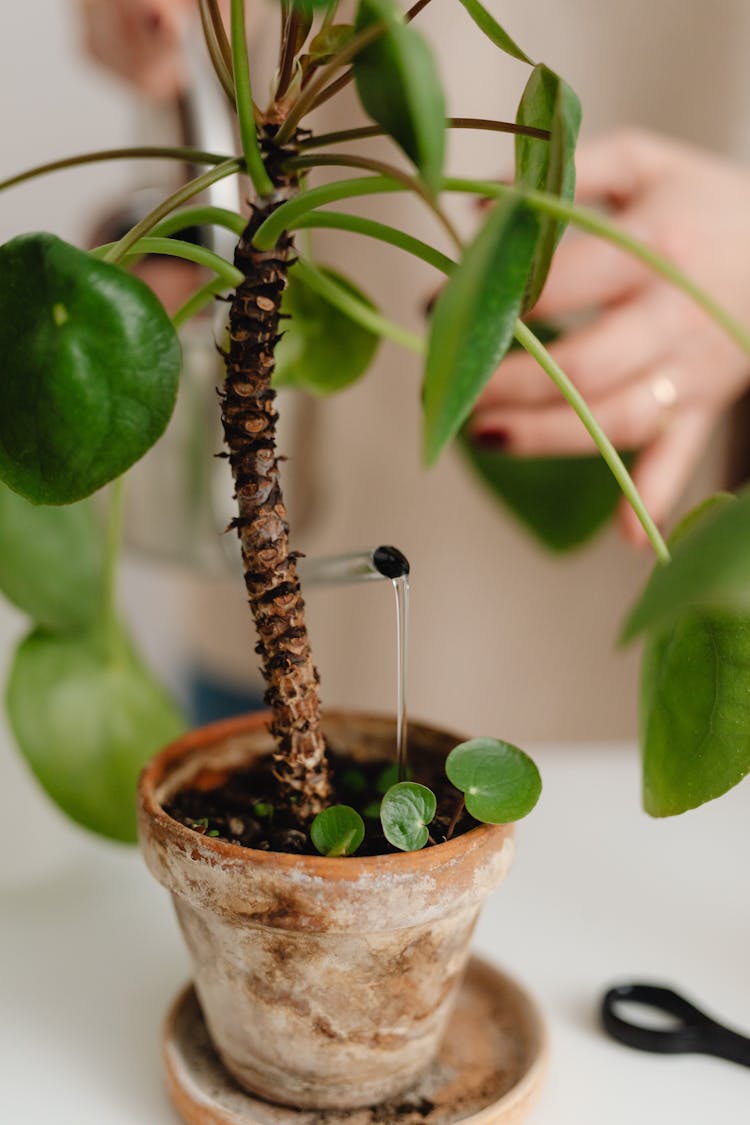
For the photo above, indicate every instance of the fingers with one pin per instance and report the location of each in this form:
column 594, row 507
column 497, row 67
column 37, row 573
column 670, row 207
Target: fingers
column 589, row 273
column 615, row 347
column 618, row 166
column 634, row 415
column 663, row 469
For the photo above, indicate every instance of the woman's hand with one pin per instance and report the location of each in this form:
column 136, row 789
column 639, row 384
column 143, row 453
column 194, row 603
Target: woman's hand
column 655, row 369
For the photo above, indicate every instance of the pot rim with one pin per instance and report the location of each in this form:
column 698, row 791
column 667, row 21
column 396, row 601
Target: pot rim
column 340, row 868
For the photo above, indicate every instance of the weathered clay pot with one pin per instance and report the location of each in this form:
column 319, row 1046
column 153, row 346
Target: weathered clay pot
column 325, row 983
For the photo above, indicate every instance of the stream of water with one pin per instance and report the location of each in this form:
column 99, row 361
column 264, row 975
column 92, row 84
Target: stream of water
column 374, row 564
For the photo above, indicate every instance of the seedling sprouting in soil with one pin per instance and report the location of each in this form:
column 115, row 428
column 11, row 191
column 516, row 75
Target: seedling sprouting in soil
column 337, row 831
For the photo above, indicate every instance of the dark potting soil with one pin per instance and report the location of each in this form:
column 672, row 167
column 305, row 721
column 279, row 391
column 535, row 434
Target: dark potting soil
column 244, row 807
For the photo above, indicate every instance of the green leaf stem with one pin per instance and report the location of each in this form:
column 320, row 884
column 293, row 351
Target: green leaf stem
column 325, row 285
column 322, row 350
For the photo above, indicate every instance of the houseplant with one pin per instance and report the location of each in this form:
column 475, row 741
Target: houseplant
column 472, row 325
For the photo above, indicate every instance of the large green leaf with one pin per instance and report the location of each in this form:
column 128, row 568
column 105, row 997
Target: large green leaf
column 50, row 560
column 473, row 320
column 695, row 710
column 547, row 103
column 492, row 29
column 89, row 371
column 695, row 704
column 399, row 86
column 322, row 349
column 563, row 501
column 710, row 567
column 87, row 722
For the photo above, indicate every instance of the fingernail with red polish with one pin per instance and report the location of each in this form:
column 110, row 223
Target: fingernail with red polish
column 493, row 441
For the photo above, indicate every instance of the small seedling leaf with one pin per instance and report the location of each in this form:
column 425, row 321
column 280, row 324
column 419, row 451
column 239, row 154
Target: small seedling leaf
column 50, row 560
column 322, row 350
column 90, row 370
column 399, row 87
column 494, row 32
column 405, row 811
column 500, row 783
column 474, row 318
column 337, row 831
column 86, row 724
column 547, row 103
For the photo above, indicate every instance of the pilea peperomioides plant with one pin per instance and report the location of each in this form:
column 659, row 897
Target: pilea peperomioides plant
column 90, row 375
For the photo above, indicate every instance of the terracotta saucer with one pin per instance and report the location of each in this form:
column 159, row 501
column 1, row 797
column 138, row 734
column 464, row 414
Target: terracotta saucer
column 488, row 1072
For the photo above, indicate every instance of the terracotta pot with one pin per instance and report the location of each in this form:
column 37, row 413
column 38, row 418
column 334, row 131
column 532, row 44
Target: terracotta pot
column 325, row 983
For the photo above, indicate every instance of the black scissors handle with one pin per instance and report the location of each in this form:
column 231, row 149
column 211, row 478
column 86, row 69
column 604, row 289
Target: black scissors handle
column 696, row 1032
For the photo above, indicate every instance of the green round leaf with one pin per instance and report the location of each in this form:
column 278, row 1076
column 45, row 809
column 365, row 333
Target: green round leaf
column 90, row 370
column 399, row 87
column 405, row 812
column 499, row 782
column 337, row 831
column 86, row 724
column 50, row 560
column 322, row 350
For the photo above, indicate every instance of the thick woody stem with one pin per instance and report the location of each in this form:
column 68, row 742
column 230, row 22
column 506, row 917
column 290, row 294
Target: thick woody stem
column 273, row 588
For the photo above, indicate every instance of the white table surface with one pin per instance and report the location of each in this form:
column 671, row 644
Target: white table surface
column 90, row 957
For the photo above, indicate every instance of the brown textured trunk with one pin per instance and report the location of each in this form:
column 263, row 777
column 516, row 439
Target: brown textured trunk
column 249, row 419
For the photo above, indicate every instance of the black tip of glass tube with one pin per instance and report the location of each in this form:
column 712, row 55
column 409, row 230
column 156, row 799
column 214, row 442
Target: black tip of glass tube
column 390, row 562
